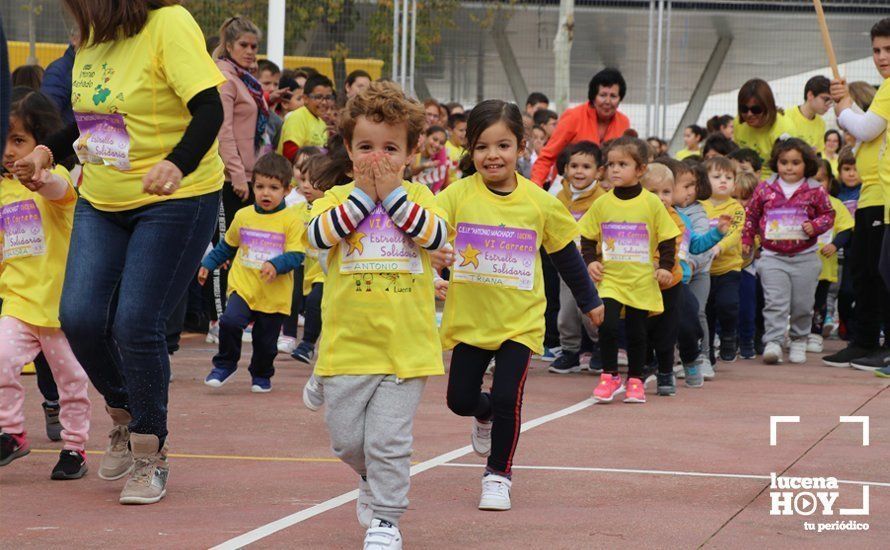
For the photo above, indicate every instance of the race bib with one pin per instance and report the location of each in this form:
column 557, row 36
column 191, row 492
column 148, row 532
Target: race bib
column 23, row 230
column 786, row 224
column 683, row 254
column 626, row 242
column 258, row 247
column 103, row 140
column 851, row 206
column 378, row 246
column 492, row 255
column 825, row 238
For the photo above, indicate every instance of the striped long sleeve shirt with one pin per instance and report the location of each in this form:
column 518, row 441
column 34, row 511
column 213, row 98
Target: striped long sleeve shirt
column 423, row 226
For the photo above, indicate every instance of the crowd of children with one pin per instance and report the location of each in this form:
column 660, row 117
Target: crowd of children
column 370, row 213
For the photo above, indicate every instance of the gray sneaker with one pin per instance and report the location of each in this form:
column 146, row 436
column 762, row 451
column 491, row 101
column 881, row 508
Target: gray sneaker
column 117, row 460
column 313, row 393
column 693, row 376
column 148, row 482
column 706, row 368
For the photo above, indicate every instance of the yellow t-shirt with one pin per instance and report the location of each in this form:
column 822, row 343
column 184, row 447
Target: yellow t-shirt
column 730, row 258
column 811, row 131
column 684, row 153
column 867, row 159
column 842, row 221
column 762, row 139
column 455, row 153
column 304, row 129
column 35, row 236
column 881, row 107
column 378, row 322
column 497, row 289
column 312, row 272
column 629, row 231
column 259, row 237
column 129, row 97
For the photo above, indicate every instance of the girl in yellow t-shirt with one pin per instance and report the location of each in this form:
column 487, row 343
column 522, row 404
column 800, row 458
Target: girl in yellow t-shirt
column 631, row 224
column 499, row 221
column 35, row 229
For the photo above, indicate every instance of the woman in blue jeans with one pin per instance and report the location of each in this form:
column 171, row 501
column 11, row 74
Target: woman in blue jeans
column 148, row 111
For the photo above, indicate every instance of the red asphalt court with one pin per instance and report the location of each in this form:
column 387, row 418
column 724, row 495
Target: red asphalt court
column 685, row 472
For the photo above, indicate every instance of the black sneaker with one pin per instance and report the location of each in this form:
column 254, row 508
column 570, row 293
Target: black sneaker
column 71, row 465
column 12, row 447
column 666, row 384
column 595, row 365
column 873, row 362
column 844, row 357
column 747, row 351
column 53, row 426
column 304, row 352
column 728, row 350
column 568, row 362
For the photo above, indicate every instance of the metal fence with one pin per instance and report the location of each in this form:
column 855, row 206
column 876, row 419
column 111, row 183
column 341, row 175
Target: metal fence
column 467, row 51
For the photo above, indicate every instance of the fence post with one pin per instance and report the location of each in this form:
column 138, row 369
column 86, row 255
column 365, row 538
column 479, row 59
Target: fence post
column 275, row 32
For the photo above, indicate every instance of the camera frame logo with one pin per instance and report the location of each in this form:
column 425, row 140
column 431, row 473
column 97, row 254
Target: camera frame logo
column 816, row 496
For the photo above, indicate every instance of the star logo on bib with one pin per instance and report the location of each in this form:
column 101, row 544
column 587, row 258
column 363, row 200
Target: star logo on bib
column 470, row 256
column 354, row 240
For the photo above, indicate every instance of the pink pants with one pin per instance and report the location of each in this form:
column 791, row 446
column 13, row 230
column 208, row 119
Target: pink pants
column 19, row 345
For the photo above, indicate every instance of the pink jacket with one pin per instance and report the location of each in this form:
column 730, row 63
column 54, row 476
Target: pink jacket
column 810, row 197
column 236, row 136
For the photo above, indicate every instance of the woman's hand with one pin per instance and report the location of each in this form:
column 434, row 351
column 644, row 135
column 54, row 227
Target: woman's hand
column 241, row 190
column 29, row 167
column 203, row 273
column 595, row 270
column 597, row 314
column 163, row 179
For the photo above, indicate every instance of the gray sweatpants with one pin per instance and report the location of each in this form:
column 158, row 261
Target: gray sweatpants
column 370, row 420
column 571, row 321
column 700, row 285
column 789, row 288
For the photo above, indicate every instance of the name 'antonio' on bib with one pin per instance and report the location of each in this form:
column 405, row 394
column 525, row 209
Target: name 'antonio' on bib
column 378, row 246
column 493, row 255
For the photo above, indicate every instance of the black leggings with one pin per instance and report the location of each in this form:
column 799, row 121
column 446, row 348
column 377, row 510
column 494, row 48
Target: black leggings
column 664, row 329
column 820, row 307
column 312, row 302
column 551, row 291
column 635, row 328
column 296, row 305
column 691, row 334
column 872, row 307
column 503, row 405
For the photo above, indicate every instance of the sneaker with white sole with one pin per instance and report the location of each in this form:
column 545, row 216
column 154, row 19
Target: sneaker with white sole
column 707, row 368
column 213, row 333
column 260, row 385
column 873, row 362
column 383, row 535
column 313, row 394
column 815, row 343
column 148, row 482
column 363, row 510
column 550, row 354
column 481, row 437
column 797, row 352
column 772, row 353
column 286, row 344
column 218, row 377
column 495, row 493
column 117, row 460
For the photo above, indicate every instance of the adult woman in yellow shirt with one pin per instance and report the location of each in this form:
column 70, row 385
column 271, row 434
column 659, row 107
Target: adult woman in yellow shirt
column 144, row 92
column 759, row 123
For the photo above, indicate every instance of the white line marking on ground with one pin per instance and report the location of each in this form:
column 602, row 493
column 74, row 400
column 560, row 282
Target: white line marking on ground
column 654, row 472
column 270, row 528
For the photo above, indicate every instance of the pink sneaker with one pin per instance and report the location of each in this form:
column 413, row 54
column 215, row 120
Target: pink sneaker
column 636, row 392
column 609, row 386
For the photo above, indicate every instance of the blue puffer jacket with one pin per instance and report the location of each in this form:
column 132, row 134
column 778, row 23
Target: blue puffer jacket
column 57, row 84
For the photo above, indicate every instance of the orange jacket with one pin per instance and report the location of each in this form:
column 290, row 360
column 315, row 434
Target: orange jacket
column 576, row 124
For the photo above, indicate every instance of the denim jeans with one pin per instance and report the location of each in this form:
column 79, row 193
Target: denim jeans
column 127, row 272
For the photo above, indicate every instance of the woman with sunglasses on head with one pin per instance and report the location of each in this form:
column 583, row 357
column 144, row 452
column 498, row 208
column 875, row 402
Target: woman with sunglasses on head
column 759, row 123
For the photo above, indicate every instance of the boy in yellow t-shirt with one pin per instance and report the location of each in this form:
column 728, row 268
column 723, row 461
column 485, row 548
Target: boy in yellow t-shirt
column 631, row 224
column 379, row 342
column 806, row 119
column 723, row 299
column 306, row 125
column 264, row 244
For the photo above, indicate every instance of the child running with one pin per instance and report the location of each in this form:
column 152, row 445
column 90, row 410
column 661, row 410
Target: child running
column 631, row 224
column 35, row 229
column 788, row 211
column 265, row 245
column 380, row 342
column 496, row 302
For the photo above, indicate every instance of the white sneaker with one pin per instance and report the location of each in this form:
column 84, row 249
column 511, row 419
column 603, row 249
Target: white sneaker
column 772, row 354
column 707, row 369
column 495, row 493
column 213, row 333
column 382, row 535
column 814, row 343
column 798, row 352
column 363, row 510
column 313, row 394
column 286, row 344
column 481, row 437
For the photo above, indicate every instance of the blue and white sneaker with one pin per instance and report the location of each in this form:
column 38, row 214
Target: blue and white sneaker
column 218, row 377
column 550, row 354
column 304, row 352
column 247, row 335
column 261, row 385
